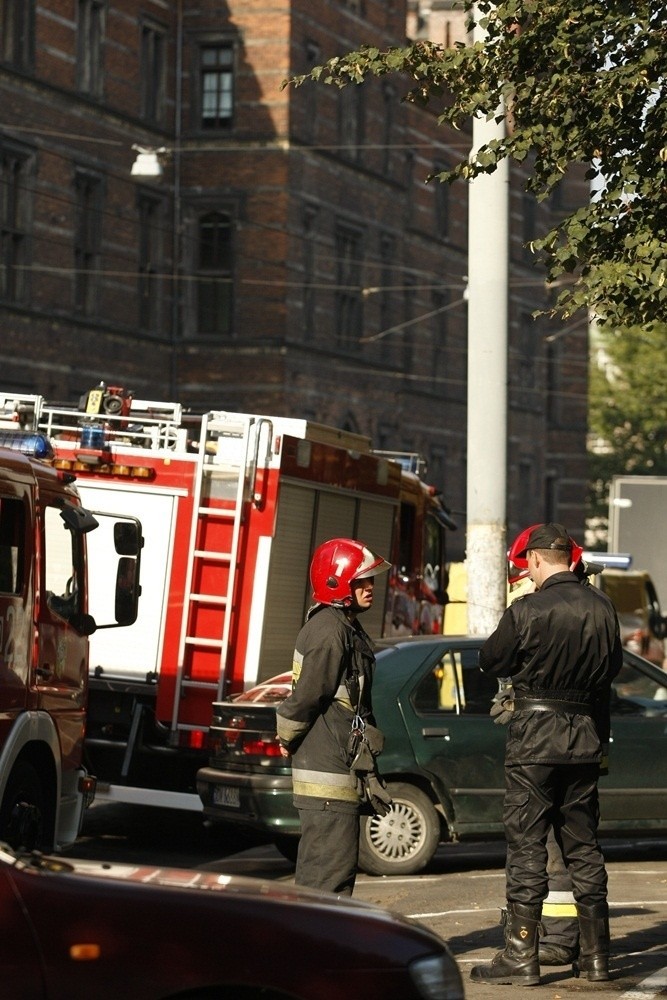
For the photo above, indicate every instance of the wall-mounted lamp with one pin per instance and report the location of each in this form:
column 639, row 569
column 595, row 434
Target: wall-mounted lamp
column 149, row 164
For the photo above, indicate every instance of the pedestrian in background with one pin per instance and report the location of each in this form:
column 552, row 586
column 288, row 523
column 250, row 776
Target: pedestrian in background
column 561, row 647
column 332, row 675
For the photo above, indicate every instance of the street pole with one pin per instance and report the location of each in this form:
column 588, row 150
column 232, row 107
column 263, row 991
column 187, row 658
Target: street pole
column 488, row 251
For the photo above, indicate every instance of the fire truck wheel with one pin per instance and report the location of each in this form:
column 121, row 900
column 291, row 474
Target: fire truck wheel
column 287, row 846
column 404, row 841
column 22, row 815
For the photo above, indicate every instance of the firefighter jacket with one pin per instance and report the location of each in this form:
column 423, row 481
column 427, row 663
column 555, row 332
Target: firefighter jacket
column 314, row 722
column 559, row 644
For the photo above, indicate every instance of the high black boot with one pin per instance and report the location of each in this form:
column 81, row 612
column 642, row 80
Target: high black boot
column 518, row 964
column 593, row 942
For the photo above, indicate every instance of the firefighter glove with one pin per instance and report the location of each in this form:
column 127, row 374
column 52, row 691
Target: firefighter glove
column 502, row 707
column 376, row 794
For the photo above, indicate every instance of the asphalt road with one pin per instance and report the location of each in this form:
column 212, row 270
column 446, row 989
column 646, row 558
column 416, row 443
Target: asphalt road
column 459, row 896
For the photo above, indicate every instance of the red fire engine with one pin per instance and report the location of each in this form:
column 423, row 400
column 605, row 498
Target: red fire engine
column 45, row 626
column 232, row 506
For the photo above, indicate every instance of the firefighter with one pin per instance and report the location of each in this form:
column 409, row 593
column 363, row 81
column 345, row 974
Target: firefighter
column 561, row 647
column 559, row 929
column 331, row 684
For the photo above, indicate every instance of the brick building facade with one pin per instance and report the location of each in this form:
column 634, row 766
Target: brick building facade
column 291, row 259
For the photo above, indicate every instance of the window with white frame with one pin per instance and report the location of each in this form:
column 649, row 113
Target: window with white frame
column 216, row 87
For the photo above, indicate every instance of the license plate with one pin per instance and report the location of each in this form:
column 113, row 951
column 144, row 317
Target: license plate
column 224, row 795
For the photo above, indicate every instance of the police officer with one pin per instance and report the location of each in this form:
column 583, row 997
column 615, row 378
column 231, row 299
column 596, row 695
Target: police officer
column 561, row 647
column 331, row 682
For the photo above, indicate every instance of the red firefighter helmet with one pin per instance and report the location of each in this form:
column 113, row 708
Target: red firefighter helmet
column 336, row 563
column 518, row 564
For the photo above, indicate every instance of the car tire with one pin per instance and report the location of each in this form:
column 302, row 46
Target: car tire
column 22, row 815
column 404, row 841
column 287, row 846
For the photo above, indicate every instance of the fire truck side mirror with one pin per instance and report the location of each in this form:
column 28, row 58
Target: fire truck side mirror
column 127, row 590
column 127, row 538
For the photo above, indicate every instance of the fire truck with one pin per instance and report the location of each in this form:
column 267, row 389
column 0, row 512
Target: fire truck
column 232, row 506
column 45, row 624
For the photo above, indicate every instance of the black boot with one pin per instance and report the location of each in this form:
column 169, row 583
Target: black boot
column 518, row 963
column 593, row 942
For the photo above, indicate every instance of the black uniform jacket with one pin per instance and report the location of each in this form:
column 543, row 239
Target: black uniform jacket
column 314, row 722
column 561, row 642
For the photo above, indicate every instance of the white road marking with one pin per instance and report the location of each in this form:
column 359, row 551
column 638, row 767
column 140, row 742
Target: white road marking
column 492, row 909
column 648, row 988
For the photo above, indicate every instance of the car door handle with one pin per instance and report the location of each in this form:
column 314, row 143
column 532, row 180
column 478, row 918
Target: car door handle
column 432, row 734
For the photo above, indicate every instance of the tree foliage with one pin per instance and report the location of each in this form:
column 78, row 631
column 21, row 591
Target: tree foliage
column 579, row 82
column 627, row 409
column 628, row 403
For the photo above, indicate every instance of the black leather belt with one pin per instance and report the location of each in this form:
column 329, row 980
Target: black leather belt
column 553, row 705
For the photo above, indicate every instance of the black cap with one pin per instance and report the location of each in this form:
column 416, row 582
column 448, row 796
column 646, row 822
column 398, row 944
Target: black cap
column 548, row 536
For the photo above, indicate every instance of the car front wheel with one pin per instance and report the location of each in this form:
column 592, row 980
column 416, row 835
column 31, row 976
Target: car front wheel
column 404, row 841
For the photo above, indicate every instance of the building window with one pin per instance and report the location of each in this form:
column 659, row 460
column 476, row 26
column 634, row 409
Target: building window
column 525, row 480
column 153, row 72
column 89, row 47
column 554, row 368
column 351, row 121
column 387, row 280
column 215, row 274
column 528, row 226
column 151, row 250
column 409, row 184
column 551, row 498
column 87, row 241
column 529, row 334
column 441, row 303
column 14, row 221
column 407, row 335
column 309, row 297
column 389, row 100
column 348, row 300
column 17, row 43
column 309, row 94
column 216, row 86
column 442, row 208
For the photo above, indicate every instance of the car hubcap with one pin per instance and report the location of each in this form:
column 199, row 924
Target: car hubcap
column 398, row 834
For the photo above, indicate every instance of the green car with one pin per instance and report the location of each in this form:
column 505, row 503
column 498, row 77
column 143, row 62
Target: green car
column 443, row 756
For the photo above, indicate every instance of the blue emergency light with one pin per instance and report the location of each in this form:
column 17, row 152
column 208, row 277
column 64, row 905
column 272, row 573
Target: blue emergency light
column 27, row 442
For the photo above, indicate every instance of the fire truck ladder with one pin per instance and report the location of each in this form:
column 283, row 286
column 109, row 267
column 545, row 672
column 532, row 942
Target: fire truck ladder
column 217, row 426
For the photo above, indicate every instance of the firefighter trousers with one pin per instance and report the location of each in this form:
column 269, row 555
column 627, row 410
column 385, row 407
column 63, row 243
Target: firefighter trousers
column 538, row 796
column 329, row 847
column 560, row 925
